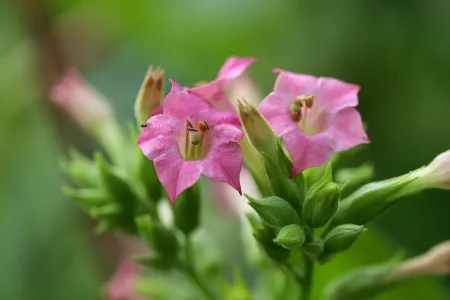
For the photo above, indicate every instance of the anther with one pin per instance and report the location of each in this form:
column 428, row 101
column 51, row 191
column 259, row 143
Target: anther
column 203, row 126
column 295, row 107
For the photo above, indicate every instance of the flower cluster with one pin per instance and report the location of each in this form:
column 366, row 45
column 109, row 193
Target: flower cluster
column 198, row 130
column 281, row 154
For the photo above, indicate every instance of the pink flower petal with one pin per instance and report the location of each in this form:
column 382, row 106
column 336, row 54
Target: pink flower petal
column 234, row 67
column 224, row 164
column 176, row 174
column 181, row 102
column 274, row 105
column 348, row 130
column 307, row 151
column 336, row 94
column 215, row 91
column 159, row 136
column 294, row 84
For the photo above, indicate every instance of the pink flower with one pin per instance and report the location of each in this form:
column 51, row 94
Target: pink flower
column 121, row 286
column 81, row 102
column 190, row 139
column 215, row 92
column 315, row 116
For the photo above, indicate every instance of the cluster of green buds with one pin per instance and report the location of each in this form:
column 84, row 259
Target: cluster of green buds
column 319, row 214
column 290, row 212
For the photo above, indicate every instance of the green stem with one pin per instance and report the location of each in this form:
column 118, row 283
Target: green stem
column 190, row 271
column 306, row 283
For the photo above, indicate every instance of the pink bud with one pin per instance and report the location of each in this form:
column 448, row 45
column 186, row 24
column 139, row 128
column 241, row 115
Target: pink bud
column 82, row 103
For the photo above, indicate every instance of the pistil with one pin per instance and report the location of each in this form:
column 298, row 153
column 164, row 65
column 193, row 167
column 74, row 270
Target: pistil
column 194, row 139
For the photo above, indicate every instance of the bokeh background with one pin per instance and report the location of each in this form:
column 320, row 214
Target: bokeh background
column 398, row 51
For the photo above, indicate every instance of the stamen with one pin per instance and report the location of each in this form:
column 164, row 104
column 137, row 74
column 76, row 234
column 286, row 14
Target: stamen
column 299, row 107
column 203, row 127
column 295, row 107
column 309, row 101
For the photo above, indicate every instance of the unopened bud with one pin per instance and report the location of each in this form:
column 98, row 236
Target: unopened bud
column 371, row 200
column 322, row 201
column 437, row 173
column 314, row 249
column 150, row 95
column 82, row 103
column 363, row 283
column 265, row 235
column 274, row 211
column 342, row 237
column 291, row 237
column 257, row 129
column 434, row 262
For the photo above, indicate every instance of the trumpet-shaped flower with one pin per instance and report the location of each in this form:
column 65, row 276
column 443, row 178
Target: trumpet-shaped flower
column 215, row 91
column 190, row 139
column 90, row 109
column 315, row 116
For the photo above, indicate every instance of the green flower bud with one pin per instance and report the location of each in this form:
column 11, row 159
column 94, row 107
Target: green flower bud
column 187, row 210
column 372, row 199
column 150, row 95
column 276, row 163
column 363, row 283
column 279, row 166
column 291, row 237
column 120, row 192
column 274, row 211
column 257, row 129
column 342, row 237
column 158, row 237
column 314, row 249
column 265, row 236
column 325, row 258
column 322, row 201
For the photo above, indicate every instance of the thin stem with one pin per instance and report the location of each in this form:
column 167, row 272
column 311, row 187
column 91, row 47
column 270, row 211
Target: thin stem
column 190, row 272
column 306, row 283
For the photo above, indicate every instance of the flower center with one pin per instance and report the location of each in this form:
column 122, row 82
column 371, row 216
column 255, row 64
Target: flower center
column 195, row 141
column 305, row 115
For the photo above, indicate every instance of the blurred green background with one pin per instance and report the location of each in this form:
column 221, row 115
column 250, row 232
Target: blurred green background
column 398, row 51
